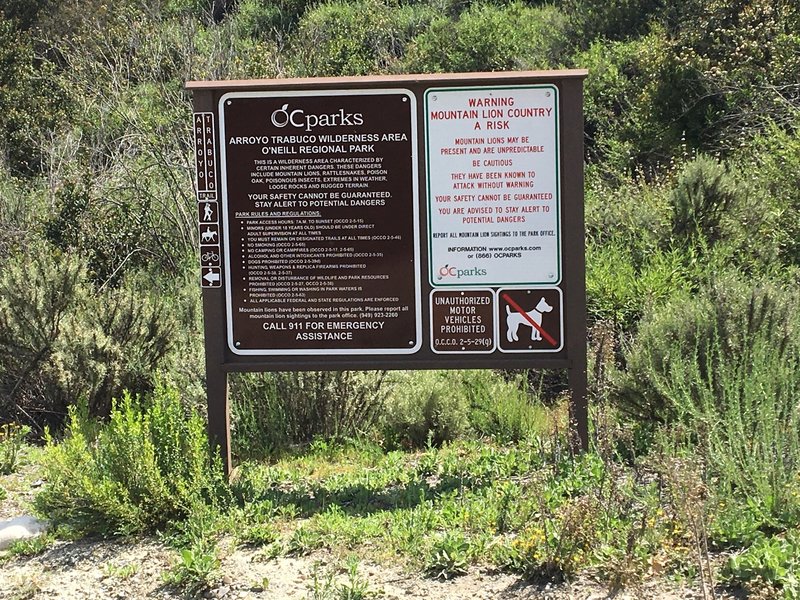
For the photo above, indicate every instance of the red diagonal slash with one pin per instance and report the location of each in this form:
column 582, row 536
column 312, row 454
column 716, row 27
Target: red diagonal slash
column 533, row 323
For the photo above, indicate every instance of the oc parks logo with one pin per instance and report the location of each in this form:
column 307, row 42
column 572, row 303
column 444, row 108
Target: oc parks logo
column 456, row 273
column 298, row 118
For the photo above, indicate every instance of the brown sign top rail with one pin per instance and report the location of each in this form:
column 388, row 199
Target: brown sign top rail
column 451, row 78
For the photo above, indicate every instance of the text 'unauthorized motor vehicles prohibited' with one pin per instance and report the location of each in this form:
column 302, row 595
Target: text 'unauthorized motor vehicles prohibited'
column 530, row 319
column 462, row 321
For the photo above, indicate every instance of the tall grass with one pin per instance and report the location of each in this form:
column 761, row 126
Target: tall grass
column 276, row 410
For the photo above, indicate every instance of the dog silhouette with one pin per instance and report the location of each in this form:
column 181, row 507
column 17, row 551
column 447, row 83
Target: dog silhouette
column 514, row 320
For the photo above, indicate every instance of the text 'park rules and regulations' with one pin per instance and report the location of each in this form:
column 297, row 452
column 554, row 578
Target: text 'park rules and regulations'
column 493, row 185
column 322, row 222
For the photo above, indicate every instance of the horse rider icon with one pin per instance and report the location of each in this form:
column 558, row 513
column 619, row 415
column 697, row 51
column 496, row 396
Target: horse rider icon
column 208, row 236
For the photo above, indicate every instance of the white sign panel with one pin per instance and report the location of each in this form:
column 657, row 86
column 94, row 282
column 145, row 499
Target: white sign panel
column 493, row 185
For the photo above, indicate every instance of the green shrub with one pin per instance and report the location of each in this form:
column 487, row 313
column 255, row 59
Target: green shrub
column 727, row 366
column 772, row 162
column 197, row 569
column 488, row 37
column 503, row 407
column 148, row 466
column 350, row 38
column 12, row 437
column 449, row 555
column 748, row 54
column 261, row 19
column 20, row 210
column 611, row 20
column 643, row 106
column 628, row 211
column 705, row 191
column 61, row 339
column 32, row 103
column 618, row 290
column 426, row 407
column 270, row 412
column 774, row 561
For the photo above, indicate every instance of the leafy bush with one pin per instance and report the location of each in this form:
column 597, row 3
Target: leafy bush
column 427, row 407
column 772, row 162
column 148, row 466
column 507, row 408
column 628, row 211
column 12, row 437
column 272, row 411
column 197, row 568
column 350, row 38
column 748, row 55
column 704, row 193
column 620, row 291
column 60, row 339
column 449, row 555
column 727, row 366
column 774, row 561
column 433, row 407
column 32, row 101
column 611, row 20
column 260, row 19
column 488, row 37
column 642, row 104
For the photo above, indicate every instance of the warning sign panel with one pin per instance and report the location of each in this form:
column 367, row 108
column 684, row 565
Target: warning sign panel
column 462, row 321
column 320, row 209
column 493, row 185
column 530, row 319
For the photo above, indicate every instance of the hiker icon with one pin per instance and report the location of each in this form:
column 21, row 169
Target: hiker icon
column 208, row 212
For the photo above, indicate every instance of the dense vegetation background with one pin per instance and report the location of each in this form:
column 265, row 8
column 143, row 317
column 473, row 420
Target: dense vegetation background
column 693, row 246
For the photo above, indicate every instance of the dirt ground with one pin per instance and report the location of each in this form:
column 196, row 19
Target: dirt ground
column 134, row 568
column 119, row 570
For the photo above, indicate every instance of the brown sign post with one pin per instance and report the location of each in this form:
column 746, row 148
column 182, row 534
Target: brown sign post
column 401, row 222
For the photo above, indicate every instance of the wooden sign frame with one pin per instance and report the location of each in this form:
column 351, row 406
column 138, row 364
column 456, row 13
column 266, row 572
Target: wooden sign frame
column 247, row 131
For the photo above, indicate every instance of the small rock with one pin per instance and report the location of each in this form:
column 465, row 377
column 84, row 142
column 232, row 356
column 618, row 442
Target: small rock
column 38, row 483
column 223, row 591
column 20, row 528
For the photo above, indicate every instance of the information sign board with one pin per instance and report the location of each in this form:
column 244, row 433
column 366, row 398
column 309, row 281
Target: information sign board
column 329, row 208
column 493, row 185
column 320, row 198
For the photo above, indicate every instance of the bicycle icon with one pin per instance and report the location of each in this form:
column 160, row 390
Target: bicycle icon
column 209, row 258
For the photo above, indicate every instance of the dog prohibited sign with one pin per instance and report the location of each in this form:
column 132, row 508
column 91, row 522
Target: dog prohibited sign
column 530, row 320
